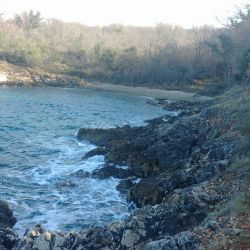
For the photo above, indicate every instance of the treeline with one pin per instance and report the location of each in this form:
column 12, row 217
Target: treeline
column 165, row 54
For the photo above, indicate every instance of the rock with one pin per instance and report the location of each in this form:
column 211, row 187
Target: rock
column 6, row 215
column 65, row 184
column 212, row 225
column 48, row 236
column 96, row 151
column 81, row 174
column 7, row 236
column 111, row 171
column 130, row 239
column 147, row 191
column 35, row 233
column 125, row 185
column 149, row 223
column 182, row 241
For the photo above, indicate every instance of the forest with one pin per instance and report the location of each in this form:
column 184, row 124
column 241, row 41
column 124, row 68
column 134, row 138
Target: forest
column 164, row 55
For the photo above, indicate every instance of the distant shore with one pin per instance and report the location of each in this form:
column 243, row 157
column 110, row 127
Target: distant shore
column 174, row 95
column 12, row 76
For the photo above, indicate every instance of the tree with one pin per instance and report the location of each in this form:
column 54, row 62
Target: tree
column 241, row 16
column 28, row 20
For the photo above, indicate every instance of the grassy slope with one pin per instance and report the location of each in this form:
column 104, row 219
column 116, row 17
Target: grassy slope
column 236, row 212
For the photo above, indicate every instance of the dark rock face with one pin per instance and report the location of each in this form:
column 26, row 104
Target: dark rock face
column 6, row 215
column 7, row 237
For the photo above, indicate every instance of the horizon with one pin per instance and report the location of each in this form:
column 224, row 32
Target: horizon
column 192, row 14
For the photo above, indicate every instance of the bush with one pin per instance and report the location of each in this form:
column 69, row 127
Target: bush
column 33, row 56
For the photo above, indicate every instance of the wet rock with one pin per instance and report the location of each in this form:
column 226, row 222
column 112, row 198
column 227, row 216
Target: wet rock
column 125, row 185
column 6, row 215
column 7, row 236
column 81, row 174
column 66, row 184
column 111, row 171
column 96, row 151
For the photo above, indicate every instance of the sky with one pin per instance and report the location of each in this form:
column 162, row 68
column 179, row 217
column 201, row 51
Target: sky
column 187, row 13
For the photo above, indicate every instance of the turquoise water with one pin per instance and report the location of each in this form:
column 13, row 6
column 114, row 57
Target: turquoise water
column 39, row 151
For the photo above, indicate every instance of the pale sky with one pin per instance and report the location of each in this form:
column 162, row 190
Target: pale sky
column 186, row 13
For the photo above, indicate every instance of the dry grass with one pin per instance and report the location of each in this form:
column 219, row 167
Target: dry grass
column 236, row 98
column 236, row 101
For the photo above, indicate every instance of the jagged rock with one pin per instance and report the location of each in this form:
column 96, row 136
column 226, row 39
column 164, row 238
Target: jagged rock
column 7, row 236
column 212, row 225
column 93, row 152
column 182, row 241
column 6, row 215
column 146, row 192
column 150, row 222
column 125, row 184
column 66, row 184
column 109, row 171
column 81, row 174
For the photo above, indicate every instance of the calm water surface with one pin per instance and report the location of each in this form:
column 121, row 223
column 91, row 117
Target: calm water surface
column 39, row 151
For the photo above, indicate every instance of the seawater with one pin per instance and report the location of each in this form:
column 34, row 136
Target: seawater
column 39, row 151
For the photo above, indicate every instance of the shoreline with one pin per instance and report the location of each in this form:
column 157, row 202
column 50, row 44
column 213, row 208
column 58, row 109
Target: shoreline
column 145, row 92
column 151, row 93
column 18, row 76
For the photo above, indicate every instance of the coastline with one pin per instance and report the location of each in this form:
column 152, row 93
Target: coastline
column 183, row 165
column 149, row 93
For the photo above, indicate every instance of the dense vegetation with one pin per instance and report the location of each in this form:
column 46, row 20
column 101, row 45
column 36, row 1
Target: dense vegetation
column 140, row 55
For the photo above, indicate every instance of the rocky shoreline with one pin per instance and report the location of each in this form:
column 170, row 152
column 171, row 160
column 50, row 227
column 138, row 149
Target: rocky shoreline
column 178, row 174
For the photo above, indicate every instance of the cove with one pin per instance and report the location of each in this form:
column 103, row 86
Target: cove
column 39, row 152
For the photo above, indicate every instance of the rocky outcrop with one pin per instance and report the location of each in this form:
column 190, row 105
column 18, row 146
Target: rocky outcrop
column 168, row 154
column 11, row 75
column 180, row 162
column 7, row 237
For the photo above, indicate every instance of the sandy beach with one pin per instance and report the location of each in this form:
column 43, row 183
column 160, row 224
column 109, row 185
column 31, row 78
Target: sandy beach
column 174, row 95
